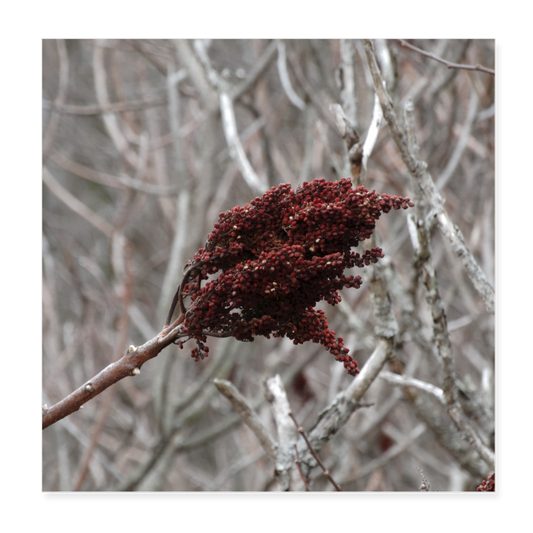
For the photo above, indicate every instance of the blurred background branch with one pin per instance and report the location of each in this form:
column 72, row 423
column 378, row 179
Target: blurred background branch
column 146, row 141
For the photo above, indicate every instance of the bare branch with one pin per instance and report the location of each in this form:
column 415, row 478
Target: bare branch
column 313, row 453
column 110, row 120
column 369, row 372
column 285, row 80
column 129, row 365
column 373, row 131
column 304, row 480
column 481, row 68
column 347, row 80
column 116, row 182
column 73, row 203
column 416, row 322
column 461, row 143
column 464, row 424
column 228, row 121
column 351, row 138
column 441, row 336
column 259, row 68
column 287, row 435
column 335, row 415
column 418, row 170
column 405, row 381
column 53, row 125
column 235, row 147
column 249, row 416
column 96, row 109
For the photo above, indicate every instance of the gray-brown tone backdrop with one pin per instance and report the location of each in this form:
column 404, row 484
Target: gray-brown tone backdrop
column 139, row 159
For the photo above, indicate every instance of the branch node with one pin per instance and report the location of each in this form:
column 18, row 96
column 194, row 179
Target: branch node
column 132, row 349
column 136, row 371
column 89, row 387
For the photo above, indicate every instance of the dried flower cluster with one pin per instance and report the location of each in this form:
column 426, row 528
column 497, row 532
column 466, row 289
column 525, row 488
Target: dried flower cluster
column 488, row 485
column 267, row 264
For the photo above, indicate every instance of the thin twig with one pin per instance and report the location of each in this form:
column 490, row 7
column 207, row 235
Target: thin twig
column 313, row 453
column 425, row 485
column 297, row 461
column 97, row 109
column 73, row 203
column 175, row 300
column 479, row 67
column 178, row 296
column 117, row 182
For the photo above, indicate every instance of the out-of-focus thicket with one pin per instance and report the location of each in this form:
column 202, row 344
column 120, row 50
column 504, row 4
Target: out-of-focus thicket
column 141, row 154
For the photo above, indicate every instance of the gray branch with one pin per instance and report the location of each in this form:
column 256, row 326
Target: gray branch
column 418, row 170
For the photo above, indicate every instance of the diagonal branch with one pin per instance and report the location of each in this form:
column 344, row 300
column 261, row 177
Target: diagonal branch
column 116, row 182
column 418, row 170
column 128, row 365
column 449, row 64
column 236, row 149
column 73, row 203
column 249, row 416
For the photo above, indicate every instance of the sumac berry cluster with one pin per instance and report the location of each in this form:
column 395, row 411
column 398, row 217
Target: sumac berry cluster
column 266, row 265
column 488, row 485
